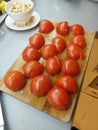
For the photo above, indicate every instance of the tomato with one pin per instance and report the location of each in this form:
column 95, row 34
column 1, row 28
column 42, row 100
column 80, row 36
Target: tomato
column 78, row 40
column 40, row 85
column 46, row 26
column 53, row 65
column 31, row 53
column 59, row 98
column 70, row 67
column 15, row 80
column 48, row 51
column 37, row 40
column 59, row 43
column 33, row 68
column 68, row 83
column 77, row 29
column 74, row 52
column 62, row 28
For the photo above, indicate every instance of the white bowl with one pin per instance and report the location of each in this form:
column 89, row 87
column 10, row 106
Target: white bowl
column 20, row 17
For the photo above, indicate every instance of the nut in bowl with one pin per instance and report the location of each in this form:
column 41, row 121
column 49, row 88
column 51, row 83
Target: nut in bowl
column 20, row 10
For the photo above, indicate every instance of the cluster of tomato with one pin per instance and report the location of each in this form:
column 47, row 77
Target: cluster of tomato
column 41, row 84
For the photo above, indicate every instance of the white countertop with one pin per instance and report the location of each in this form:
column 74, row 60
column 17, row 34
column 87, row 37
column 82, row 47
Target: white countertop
column 17, row 114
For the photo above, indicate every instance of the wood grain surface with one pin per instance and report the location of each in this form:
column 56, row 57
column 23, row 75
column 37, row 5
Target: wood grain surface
column 41, row 103
column 86, row 114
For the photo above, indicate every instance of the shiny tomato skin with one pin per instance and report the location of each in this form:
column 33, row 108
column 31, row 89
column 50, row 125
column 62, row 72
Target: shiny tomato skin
column 74, row 52
column 59, row 98
column 40, row 85
column 77, row 29
column 31, row 53
column 59, row 43
column 46, row 26
column 68, row 83
column 62, row 28
column 15, row 80
column 33, row 68
column 48, row 51
column 78, row 40
column 37, row 40
column 70, row 67
column 53, row 65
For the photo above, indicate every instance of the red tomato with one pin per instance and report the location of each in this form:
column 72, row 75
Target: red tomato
column 31, row 53
column 46, row 26
column 15, row 80
column 53, row 65
column 37, row 40
column 59, row 98
column 40, row 85
column 78, row 40
column 59, row 43
column 77, row 29
column 62, row 28
column 68, row 83
column 70, row 67
column 74, row 52
column 48, row 51
column 33, row 68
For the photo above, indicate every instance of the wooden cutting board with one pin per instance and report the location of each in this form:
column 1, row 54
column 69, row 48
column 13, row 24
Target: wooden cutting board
column 41, row 103
column 86, row 114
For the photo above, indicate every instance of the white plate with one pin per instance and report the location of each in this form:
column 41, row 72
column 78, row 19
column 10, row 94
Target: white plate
column 10, row 23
